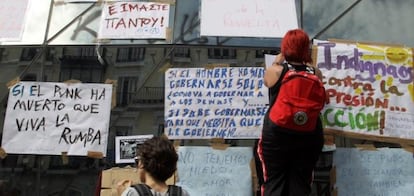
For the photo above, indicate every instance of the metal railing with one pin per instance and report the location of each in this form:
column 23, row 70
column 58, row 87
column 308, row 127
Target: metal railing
column 145, row 95
column 150, row 95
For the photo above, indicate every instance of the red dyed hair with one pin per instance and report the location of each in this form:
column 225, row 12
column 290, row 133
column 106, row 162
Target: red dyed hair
column 295, row 46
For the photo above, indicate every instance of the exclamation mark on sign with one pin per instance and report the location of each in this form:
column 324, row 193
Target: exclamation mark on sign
column 382, row 122
column 162, row 21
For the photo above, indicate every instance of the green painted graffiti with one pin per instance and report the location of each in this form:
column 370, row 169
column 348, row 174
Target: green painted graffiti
column 359, row 120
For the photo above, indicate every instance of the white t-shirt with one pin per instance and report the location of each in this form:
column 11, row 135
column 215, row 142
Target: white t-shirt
column 130, row 191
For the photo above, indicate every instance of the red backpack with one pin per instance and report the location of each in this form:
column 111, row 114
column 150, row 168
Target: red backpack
column 300, row 99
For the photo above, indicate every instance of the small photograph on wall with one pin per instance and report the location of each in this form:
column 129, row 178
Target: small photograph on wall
column 126, row 147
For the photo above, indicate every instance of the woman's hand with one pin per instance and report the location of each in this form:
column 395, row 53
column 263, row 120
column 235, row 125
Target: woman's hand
column 122, row 185
column 279, row 59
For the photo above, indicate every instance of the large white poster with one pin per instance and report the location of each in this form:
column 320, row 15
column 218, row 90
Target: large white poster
column 248, row 18
column 204, row 171
column 226, row 102
column 52, row 118
column 12, row 18
column 134, row 20
column 369, row 88
column 385, row 171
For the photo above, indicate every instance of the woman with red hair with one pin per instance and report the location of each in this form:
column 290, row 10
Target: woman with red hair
column 288, row 158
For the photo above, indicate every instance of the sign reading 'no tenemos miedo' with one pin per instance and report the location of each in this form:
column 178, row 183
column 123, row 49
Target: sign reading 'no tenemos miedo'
column 226, row 102
column 51, row 118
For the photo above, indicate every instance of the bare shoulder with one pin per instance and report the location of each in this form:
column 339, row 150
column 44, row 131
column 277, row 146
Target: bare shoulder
column 272, row 75
column 276, row 67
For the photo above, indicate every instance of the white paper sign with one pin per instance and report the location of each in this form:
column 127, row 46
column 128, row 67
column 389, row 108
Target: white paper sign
column 269, row 59
column 89, row 1
column 51, row 118
column 248, row 18
column 369, row 88
column 79, row 1
column 226, row 102
column 12, row 17
column 385, row 171
column 134, row 20
column 204, row 171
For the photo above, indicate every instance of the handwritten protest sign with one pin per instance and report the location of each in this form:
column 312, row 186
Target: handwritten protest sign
column 81, row 1
column 12, row 17
column 387, row 171
column 51, row 118
column 370, row 88
column 134, row 20
column 204, row 171
column 247, row 18
column 226, row 102
column 88, row 1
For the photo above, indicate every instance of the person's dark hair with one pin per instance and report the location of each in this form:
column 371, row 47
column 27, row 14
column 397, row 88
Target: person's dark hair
column 295, row 46
column 159, row 157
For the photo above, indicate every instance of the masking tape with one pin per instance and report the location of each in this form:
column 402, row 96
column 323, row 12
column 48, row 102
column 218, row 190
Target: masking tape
column 169, row 34
column 13, row 82
column 65, row 158
column 3, row 153
column 171, row 2
column 59, row 2
column 102, row 41
column 72, row 81
column 366, row 147
column 408, row 148
column 96, row 155
column 218, row 144
column 165, row 67
column 177, row 144
column 114, row 85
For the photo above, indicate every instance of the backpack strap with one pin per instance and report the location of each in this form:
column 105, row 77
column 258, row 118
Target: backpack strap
column 274, row 91
column 174, row 190
column 142, row 189
column 306, row 68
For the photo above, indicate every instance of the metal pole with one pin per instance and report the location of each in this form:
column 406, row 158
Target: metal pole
column 301, row 14
column 41, row 78
column 45, row 42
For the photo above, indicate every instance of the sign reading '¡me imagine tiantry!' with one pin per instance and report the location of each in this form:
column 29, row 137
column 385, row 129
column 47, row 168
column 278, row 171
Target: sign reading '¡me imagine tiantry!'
column 51, row 118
